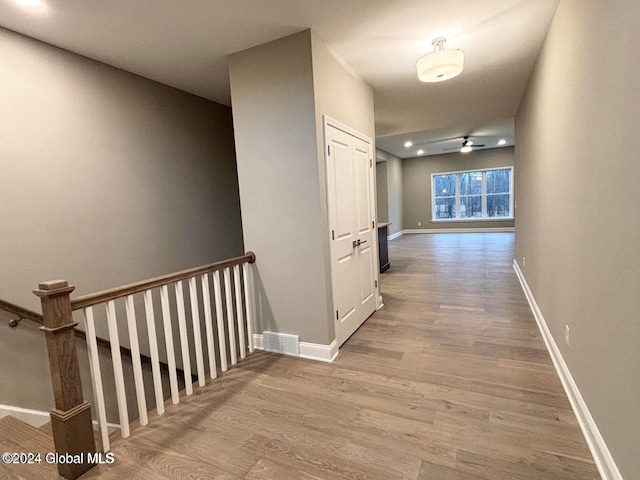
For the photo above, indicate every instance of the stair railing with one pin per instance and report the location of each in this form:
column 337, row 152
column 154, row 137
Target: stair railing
column 232, row 296
column 20, row 313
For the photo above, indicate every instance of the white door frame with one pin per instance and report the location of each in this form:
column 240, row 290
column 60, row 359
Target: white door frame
column 328, row 121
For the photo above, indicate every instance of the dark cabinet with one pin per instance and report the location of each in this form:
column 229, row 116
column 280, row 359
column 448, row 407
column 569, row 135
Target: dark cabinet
column 383, row 246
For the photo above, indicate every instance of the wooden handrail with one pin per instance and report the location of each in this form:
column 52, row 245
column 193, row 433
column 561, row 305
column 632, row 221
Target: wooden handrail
column 20, row 311
column 119, row 292
column 71, row 416
column 36, row 317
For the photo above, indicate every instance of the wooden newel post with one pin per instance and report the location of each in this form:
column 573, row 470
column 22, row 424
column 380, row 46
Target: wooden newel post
column 71, row 417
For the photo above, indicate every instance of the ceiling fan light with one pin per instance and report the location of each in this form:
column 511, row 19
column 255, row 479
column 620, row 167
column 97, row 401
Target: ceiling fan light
column 441, row 64
column 466, row 149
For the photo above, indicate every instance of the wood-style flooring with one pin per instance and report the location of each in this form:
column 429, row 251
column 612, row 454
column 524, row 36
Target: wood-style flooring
column 450, row 380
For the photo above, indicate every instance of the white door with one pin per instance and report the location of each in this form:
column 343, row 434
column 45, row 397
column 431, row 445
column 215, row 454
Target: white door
column 351, row 219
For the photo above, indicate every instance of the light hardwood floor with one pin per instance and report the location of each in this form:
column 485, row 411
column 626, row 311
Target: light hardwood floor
column 450, row 380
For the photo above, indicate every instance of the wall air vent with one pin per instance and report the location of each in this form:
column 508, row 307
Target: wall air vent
column 281, row 343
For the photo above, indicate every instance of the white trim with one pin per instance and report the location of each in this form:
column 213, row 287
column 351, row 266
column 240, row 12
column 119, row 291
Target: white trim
column 327, row 120
column 395, row 235
column 258, row 343
column 319, row 352
column 460, row 230
column 473, row 219
column 35, row 418
column 38, row 418
column 311, row 351
column 483, row 193
column 601, row 454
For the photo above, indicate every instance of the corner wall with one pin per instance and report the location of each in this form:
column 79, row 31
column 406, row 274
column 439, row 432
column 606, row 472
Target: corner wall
column 276, row 144
column 394, row 191
column 577, row 221
column 107, row 178
column 278, row 120
column 382, row 192
column 342, row 95
column 416, row 180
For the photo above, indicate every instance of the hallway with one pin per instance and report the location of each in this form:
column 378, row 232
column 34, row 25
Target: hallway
column 450, row 380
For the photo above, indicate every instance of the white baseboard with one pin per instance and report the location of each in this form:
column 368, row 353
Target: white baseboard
column 38, row 418
column 319, row 352
column 258, row 342
column 601, row 454
column 35, row 418
column 395, row 235
column 460, row 230
column 311, row 351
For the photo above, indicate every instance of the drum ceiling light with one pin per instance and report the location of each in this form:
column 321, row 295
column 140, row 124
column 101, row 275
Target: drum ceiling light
column 441, row 64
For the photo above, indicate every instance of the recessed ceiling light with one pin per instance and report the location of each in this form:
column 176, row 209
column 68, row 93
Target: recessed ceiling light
column 408, row 144
column 420, row 152
column 502, row 141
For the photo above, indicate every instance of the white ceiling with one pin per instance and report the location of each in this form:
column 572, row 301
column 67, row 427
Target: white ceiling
column 185, row 45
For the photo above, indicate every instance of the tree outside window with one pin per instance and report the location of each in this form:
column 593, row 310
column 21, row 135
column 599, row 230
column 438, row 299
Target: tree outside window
column 473, row 195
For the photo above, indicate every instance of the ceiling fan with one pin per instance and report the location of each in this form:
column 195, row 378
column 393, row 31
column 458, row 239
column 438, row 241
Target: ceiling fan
column 467, row 145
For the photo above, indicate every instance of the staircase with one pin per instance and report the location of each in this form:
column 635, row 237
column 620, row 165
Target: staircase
column 19, row 437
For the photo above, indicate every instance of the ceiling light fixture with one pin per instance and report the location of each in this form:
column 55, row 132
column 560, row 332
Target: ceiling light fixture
column 466, row 145
column 30, row 3
column 441, row 64
column 420, row 152
column 502, row 141
column 408, row 144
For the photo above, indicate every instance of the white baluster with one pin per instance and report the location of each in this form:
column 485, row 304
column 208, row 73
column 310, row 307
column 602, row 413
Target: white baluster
column 168, row 339
column 153, row 349
column 184, row 342
column 219, row 316
column 136, row 361
column 239, row 312
column 232, row 330
column 96, row 377
column 117, row 369
column 208, row 322
column 197, row 336
column 248, row 301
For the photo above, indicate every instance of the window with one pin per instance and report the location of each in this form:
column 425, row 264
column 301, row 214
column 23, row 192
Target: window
column 473, row 195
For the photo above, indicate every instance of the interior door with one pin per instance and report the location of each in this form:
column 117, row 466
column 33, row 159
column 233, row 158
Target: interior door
column 366, row 264
column 353, row 259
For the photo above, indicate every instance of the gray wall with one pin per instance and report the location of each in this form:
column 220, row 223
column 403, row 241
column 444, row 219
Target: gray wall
column 342, row 95
column 382, row 192
column 276, row 144
column 394, row 190
column 279, row 141
column 416, row 181
column 577, row 221
column 107, row 177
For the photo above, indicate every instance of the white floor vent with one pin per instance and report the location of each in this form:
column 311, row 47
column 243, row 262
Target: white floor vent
column 281, row 343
